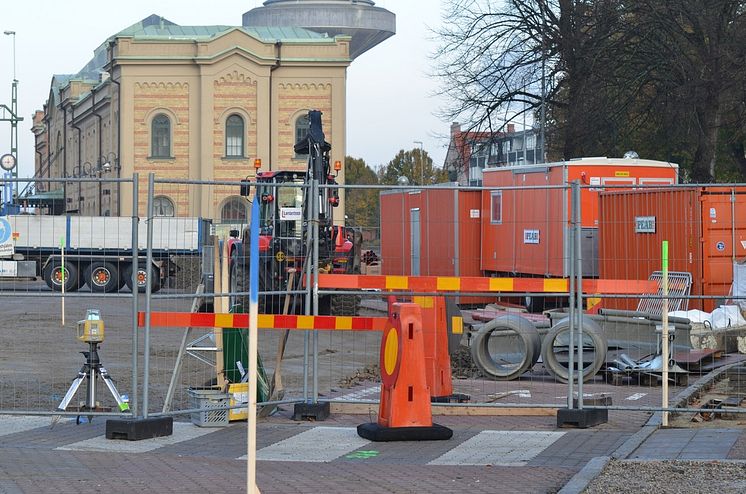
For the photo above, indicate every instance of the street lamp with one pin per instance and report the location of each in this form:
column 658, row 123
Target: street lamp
column 422, row 164
column 13, row 33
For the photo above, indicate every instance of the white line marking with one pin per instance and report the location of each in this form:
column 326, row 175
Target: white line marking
column 183, row 431
column 635, row 396
column 503, row 448
column 319, row 445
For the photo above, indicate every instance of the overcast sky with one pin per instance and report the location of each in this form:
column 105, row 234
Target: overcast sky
column 389, row 103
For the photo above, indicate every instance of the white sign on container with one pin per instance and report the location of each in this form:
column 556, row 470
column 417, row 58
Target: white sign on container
column 473, row 213
column 530, row 236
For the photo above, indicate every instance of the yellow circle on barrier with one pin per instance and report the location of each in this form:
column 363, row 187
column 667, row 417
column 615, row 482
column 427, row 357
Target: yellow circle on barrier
column 391, row 352
column 280, row 256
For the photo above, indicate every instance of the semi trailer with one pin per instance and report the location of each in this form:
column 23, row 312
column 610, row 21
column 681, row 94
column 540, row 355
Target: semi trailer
column 96, row 251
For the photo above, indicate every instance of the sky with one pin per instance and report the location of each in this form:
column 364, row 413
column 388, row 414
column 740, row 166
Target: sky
column 390, row 102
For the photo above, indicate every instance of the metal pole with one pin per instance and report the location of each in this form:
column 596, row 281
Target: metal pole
column 579, row 288
column 571, row 265
column 306, row 335
column 664, row 335
column 135, row 290
column 315, row 288
column 148, row 294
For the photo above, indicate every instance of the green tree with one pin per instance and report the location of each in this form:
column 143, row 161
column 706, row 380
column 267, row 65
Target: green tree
column 361, row 205
column 416, row 165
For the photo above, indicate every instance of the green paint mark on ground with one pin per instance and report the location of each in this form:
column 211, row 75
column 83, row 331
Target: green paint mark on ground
column 362, row 455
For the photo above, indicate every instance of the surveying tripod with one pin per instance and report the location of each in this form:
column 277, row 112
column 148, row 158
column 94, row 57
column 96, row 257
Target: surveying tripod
column 90, row 370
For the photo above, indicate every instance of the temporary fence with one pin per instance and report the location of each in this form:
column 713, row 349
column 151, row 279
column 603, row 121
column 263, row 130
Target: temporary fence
column 510, row 279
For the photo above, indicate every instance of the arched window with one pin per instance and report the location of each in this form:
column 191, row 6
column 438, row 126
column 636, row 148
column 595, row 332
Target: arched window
column 160, row 137
column 234, row 137
column 163, row 206
column 301, row 132
column 234, row 211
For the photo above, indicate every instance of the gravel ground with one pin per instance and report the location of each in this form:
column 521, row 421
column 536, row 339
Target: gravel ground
column 670, row 476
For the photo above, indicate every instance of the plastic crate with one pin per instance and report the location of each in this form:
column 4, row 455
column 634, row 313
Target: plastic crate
column 214, row 405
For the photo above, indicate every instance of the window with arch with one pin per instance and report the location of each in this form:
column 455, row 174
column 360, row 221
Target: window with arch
column 163, row 206
column 234, row 210
column 234, row 129
column 302, row 125
column 160, row 137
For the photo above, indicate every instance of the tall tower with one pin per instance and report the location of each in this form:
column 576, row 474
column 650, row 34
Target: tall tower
column 367, row 24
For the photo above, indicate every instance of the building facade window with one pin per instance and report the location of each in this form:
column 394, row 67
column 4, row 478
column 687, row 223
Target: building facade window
column 478, row 162
column 530, row 141
column 301, row 132
column 163, row 206
column 234, row 211
column 234, row 129
column 160, row 137
column 496, row 207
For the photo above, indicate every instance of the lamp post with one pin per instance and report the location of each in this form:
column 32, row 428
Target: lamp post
column 422, row 164
column 13, row 119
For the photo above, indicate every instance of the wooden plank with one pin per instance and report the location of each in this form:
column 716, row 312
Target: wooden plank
column 219, row 304
column 444, row 410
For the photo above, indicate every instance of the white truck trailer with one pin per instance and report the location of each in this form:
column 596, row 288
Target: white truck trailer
column 95, row 251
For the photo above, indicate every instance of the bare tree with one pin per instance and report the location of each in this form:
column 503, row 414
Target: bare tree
column 498, row 60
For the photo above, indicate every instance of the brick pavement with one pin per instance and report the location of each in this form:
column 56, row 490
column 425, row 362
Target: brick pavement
column 540, row 457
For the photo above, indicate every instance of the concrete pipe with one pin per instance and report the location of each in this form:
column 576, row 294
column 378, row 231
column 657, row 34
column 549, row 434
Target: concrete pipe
column 506, row 347
column 556, row 344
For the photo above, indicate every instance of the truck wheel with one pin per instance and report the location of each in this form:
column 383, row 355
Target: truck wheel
column 53, row 277
column 344, row 305
column 555, row 349
column 142, row 277
column 102, row 276
column 506, row 347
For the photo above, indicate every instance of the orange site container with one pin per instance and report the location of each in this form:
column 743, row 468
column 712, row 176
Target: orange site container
column 430, row 232
column 526, row 212
column 705, row 228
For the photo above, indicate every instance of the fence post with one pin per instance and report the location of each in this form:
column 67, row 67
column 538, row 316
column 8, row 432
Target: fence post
column 572, row 295
column 579, row 286
column 135, row 291
column 148, row 295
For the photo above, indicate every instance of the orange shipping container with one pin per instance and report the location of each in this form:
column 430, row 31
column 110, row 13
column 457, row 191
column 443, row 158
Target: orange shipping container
column 526, row 212
column 430, row 232
column 705, row 228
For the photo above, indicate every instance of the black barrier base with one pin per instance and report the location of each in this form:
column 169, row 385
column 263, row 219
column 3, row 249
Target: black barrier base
column 137, row 429
column 454, row 398
column 582, row 419
column 311, row 411
column 375, row 432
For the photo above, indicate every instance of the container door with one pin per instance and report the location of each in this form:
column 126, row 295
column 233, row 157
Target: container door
column 414, row 237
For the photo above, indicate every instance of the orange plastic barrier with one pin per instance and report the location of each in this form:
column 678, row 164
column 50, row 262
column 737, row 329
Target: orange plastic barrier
column 435, row 337
column 404, row 413
column 266, row 321
column 433, row 284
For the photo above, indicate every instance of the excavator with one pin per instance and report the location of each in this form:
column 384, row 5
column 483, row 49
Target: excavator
column 287, row 203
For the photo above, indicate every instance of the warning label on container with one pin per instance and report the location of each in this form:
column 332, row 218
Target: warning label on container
column 473, row 213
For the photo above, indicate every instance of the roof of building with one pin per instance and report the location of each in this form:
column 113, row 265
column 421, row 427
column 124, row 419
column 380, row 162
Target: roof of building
column 157, row 27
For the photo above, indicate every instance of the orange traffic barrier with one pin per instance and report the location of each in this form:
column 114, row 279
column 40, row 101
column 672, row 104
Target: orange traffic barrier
column 437, row 284
column 265, row 321
column 404, row 413
column 435, row 337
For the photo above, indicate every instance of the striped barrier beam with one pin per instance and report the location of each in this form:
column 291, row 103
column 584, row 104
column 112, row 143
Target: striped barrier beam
column 480, row 284
column 265, row 321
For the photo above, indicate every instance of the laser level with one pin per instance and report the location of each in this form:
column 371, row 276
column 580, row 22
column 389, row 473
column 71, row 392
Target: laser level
column 91, row 331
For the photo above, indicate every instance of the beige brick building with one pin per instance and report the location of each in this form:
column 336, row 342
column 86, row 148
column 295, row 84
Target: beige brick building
column 198, row 103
